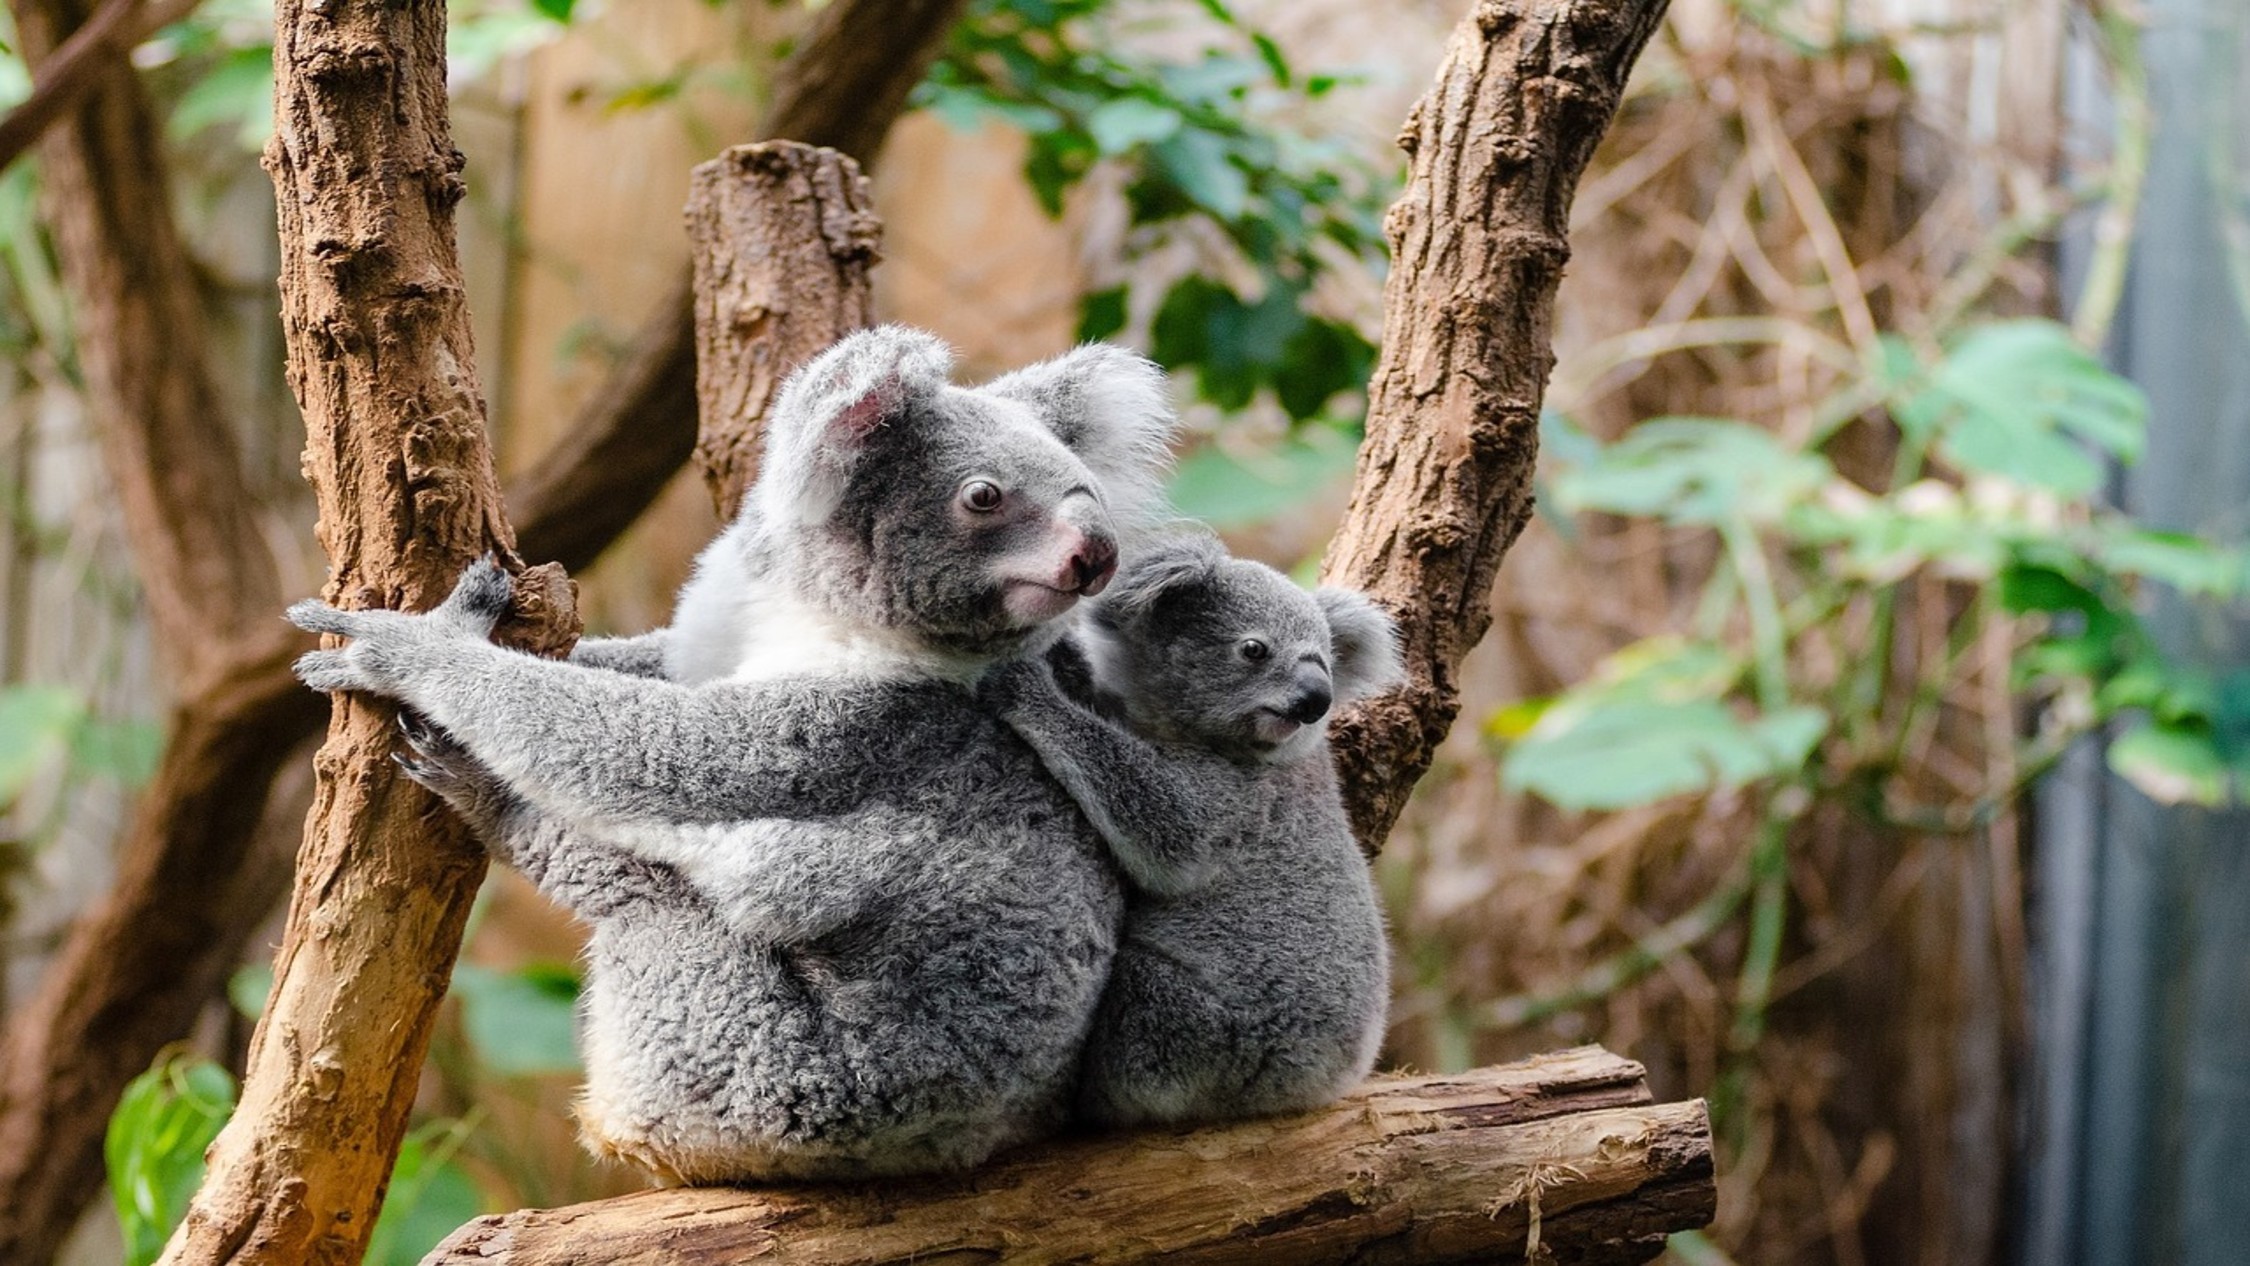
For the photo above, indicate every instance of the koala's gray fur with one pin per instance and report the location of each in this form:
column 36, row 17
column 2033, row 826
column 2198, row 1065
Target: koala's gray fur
column 1253, row 973
column 842, row 921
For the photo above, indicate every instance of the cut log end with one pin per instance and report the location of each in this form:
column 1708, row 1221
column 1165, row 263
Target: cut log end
column 1559, row 1158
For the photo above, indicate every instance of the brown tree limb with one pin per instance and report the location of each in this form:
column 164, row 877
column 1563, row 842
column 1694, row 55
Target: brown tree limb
column 66, row 75
column 842, row 88
column 1421, row 1169
column 174, row 460
column 380, row 358
column 140, row 963
column 1478, row 242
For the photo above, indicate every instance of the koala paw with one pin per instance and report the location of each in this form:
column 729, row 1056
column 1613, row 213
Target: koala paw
column 480, row 599
column 439, row 762
column 375, row 660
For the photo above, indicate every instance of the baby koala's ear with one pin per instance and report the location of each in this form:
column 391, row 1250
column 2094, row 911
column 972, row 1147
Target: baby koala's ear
column 830, row 408
column 1112, row 408
column 1165, row 567
column 1364, row 640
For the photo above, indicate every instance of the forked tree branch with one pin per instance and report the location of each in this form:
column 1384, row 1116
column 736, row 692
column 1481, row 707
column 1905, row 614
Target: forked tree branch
column 366, row 179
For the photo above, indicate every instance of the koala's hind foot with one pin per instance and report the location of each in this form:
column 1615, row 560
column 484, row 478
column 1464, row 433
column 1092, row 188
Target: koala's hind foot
column 435, row 760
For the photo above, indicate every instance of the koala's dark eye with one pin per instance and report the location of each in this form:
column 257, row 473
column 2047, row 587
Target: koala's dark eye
column 981, row 495
column 1255, row 651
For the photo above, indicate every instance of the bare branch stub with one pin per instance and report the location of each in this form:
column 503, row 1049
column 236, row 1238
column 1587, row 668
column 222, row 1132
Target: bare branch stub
column 1478, row 242
column 784, row 237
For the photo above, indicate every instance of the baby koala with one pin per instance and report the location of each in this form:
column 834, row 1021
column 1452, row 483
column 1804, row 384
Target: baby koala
column 1253, row 972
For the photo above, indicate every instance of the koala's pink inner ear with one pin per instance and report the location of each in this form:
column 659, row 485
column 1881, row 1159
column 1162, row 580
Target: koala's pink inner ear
column 856, row 421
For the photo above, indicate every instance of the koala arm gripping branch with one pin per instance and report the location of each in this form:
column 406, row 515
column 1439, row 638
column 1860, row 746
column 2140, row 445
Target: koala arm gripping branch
column 1162, row 814
column 584, row 744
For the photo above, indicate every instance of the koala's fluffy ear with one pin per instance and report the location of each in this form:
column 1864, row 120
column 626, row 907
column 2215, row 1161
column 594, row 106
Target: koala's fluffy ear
column 829, row 408
column 1153, row 572
column 1111, row 407
column 1365, row 642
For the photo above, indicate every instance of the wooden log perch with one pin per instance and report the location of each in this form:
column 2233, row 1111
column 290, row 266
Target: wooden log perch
column 1566, row 1148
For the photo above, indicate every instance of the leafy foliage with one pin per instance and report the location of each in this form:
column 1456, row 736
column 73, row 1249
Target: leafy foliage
column 522, row 1021
column 2026, row 418
column 154, row 1148
column 1195, row 143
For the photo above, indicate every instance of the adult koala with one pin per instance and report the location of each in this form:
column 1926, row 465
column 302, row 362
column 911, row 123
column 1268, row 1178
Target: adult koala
column 843, row 923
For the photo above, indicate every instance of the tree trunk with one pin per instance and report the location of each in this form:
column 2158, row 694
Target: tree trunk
column 1562, row 1157
column 783, row 236
column 366, row 179
column 1478, row 243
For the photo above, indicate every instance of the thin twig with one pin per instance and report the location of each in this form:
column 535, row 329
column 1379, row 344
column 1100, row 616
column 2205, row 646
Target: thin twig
column 61, row 79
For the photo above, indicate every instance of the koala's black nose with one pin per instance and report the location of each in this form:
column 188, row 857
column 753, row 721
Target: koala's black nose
column 1310, row 705
column 1093, row 565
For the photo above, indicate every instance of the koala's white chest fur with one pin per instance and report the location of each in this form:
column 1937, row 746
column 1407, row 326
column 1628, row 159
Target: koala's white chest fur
column 732, row 625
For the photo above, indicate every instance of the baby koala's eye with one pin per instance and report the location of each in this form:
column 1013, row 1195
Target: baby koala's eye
column 1255, row 651
column 981, row 495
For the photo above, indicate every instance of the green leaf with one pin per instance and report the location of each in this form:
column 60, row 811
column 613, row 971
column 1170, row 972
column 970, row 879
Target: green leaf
column 520, row 1022
column 2186, row 563
column 2172, row 764
column 559, row 10
column 249, row 987
column 36, row 722
column 1695, row 470
column 1615, row 754
column 1199, row 164
column 2022, row 401
column 126, row 751
column 236, row 93
column 430, row 1197
column 1224, row 490
column 1119, row 125
column 1101, row 314
column 1653, row 722
column 154, row 1146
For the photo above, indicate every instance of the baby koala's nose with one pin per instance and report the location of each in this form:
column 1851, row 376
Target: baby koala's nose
column 1310, row 705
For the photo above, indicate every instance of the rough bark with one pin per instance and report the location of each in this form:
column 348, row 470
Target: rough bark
column 380, row 359
column 1421, row 1169
column 841, row 88
column 783, row 237
column 1478, row 243
column 145, row 958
